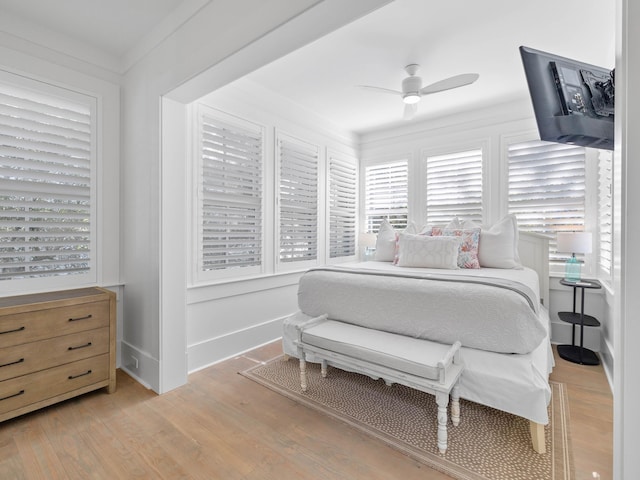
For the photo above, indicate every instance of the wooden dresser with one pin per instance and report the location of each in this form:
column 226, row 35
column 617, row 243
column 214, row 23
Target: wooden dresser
column 54, row 346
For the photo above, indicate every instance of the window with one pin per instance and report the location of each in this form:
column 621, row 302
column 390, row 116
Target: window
column 47, row 183
column 230, row 195
column 454, row 187
column 342, row 206
column 386, row 195
column 605, row 210
column 547, row 190
column 297, row 200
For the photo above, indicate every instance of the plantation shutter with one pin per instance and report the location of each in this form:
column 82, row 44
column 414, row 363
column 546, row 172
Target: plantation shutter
column 47, row 159
column 298, row 200
column 547, row 189
column 605, row 209
column 386, row 195
column 454, row 187
column 230, row 195
column 342, row 207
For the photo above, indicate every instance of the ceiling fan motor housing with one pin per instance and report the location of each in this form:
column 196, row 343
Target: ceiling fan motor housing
column 411, row 88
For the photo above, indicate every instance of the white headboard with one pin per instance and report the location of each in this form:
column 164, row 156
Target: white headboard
column 533, row 249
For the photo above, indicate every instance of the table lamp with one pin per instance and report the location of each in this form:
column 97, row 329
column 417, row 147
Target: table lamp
column 367, row 241
column 573, row 242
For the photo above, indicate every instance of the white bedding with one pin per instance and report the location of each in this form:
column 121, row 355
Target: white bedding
column 515, row 383
column 488, row 309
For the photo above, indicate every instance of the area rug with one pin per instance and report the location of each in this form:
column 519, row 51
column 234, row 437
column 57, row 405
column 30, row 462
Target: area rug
column 488, row 443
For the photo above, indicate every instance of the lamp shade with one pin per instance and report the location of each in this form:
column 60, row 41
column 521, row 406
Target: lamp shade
column 574, row 242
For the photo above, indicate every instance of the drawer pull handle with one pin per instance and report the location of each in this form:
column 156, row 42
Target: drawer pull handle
column 12, row 363
column 80, row 318
column 12, row 331
column 21, row 392
column 88, row 372
column 80, row 346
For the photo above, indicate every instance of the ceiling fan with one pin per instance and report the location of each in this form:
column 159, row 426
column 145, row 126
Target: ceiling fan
column 412, row 89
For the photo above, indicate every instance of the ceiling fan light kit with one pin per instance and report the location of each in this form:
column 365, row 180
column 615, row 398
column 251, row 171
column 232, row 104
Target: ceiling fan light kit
column 411, row 98
column 412, row 89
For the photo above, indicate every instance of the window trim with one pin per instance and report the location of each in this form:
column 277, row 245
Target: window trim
column 345, row 158
column 93, row 103
column 200, row 277
column 590, row 217
column 294, row 265
column 424, row 169
column 401, row 158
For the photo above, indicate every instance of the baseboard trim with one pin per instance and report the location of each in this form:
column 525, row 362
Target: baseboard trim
column 224, row 347
column 140, row 365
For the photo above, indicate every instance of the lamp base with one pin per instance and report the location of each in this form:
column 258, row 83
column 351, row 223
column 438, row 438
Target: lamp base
column 577, row 354
column 572, row 269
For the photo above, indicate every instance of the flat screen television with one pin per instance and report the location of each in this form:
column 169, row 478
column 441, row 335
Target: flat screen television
column 573, row 101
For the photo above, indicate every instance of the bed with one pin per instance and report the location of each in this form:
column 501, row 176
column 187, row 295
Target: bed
column 498, row 314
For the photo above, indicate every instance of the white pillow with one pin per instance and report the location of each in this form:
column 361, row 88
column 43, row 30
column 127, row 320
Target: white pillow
column 498, row 246
column 385, row 243
column 454, row 224
column 428, row 252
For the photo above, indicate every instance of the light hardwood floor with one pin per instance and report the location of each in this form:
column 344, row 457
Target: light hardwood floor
column 223, row 426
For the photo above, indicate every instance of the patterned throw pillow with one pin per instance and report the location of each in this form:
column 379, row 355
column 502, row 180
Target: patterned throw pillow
column 468, row 251
column 427, row 251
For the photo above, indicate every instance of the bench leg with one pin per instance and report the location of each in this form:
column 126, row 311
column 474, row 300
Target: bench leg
column 323, row 369
column 455, row 406
column 303, row 373
column 442, row 399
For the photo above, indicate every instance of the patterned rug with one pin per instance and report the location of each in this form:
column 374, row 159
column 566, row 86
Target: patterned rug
column 488, row 443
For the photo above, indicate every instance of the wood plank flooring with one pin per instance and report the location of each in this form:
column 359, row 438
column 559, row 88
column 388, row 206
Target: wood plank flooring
column 223, row 426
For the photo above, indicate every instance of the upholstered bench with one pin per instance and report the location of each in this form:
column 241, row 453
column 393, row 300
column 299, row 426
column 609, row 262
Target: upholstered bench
column 426, row 366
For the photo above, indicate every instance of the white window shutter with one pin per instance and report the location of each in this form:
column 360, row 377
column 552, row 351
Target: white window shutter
column 386, row 195
column 297, row 200
column 343, row 181
column 605, row 210
column 47, row 166
column 454, row 187
column 547, row 189
column 231, row 177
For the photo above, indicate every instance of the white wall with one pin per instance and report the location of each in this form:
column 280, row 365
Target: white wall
column 626, row 169
column 209, row 50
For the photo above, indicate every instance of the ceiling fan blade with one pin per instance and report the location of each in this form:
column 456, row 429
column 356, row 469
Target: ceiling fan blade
column 380, row 89
column 449, row 83
column 410, row 110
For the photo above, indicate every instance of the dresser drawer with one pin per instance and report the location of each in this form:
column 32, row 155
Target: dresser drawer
column 34, row 356
column 22, row 391
column 20, row 328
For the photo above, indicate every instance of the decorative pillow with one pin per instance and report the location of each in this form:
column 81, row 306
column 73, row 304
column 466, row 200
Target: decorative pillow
column 412, row 227
column 499, row 244
column 428, row 252
column 386, row 242
column 455, row 223
column 468, row 251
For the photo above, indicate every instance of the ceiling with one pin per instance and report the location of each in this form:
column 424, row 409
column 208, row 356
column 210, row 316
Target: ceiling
column 446, row 38
column 113, row 26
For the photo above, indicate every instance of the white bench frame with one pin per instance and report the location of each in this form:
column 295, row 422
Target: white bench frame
column 449, row 371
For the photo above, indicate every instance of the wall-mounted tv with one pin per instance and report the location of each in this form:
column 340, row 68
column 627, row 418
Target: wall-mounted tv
column 573, row 101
